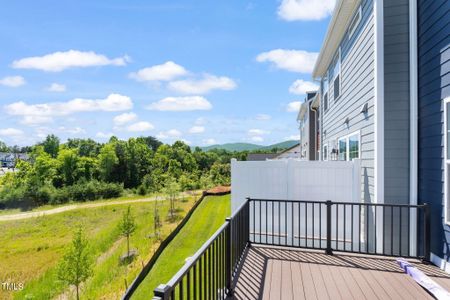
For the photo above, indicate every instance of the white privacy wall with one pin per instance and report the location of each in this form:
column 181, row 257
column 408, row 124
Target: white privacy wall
column 293, row 179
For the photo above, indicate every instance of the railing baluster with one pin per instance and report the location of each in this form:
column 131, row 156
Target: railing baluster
column 292, row 224
column 306, row 224
column 345, row 226
column 409, row 231
column 337, row 226
column 285, row 223
column 273, row 220
column 375, row 229
column 400, row 232
column 392, row 230
column 359, row 228
column 313, row 223
column 352, row 207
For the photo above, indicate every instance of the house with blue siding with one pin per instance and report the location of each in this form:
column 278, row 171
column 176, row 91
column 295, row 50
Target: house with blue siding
column 384, row 96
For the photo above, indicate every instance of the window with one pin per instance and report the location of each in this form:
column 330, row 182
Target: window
column 353, row 146
column 325, row 102
column 447, row 161
column 325, row 152
column 354, row 23
column 342, row 144
column 336, row 72
column 349, row 147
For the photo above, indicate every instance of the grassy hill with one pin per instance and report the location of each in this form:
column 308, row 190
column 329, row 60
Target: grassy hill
column 207, row 218
column 250, row 147
column 38, row 244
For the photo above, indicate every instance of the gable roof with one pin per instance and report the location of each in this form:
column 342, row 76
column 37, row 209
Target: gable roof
column 342, row 15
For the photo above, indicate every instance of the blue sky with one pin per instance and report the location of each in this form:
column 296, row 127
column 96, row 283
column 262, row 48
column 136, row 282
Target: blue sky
column 202, row 71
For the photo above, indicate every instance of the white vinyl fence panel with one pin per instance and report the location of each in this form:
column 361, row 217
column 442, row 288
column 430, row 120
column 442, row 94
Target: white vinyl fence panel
column 295, row 180
column 294, row 223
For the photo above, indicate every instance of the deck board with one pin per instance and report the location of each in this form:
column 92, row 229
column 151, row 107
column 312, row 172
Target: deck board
column 273, row 273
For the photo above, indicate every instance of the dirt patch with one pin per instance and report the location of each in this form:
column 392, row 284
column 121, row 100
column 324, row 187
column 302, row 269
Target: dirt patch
column 219, row 190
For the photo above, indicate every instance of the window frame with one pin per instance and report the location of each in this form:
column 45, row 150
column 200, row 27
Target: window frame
column 446, row 164
column 337, row 58
column 325, row 151
column 346, row 138
column 358, row 15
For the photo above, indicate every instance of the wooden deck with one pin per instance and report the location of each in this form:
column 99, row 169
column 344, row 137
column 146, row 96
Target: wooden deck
column 275, row 273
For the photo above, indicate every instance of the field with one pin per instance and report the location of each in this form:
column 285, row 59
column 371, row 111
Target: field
column 31, row 248
column 208, row 217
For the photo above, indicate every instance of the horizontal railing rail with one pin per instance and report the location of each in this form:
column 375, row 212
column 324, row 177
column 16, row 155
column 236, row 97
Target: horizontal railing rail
column 209, row 273
column 368, row 228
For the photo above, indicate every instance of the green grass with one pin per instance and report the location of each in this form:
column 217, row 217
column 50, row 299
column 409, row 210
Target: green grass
column 31, row 248
column 208, row 217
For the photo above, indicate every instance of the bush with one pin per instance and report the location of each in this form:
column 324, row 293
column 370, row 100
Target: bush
column 141, row 190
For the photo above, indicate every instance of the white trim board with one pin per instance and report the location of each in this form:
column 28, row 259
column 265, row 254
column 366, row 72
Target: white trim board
column 413, row 119
column 441, row 263
column 379, row 112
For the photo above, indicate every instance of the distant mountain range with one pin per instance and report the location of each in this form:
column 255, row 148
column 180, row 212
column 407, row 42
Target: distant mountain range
column 250, row 147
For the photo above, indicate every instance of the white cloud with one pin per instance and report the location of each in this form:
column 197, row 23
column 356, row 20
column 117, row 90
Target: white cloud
column 140, row 127
column 12, row 81
column 57, row 88
column 202, row 86
column 257, row 132
column 257, row 139
column 300, row 87
column 45, row 111
column 293, row 137
column 291, row 60
column 263, row 117
column 200, row 121
column 124, row 118
column 103, row 135
column 11, row 132
column 305, row 10
column 76, row 130
column 35, row 120
column 209, row 142
column 165, row 72
column 293, row 106
column 59, row 61
column 172, row 133
column 181, row 104
column 197, row 129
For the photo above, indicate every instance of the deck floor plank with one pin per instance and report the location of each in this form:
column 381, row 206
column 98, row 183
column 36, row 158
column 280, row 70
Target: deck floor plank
column 272, row 273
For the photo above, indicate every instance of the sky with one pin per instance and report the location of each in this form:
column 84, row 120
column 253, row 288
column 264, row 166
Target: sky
column 205, row 72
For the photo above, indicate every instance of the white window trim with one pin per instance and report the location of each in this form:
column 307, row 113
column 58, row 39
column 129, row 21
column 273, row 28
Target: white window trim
column 358, row 14
column 446, row 162
column 325, row 150
column 331, row 84
column 347, row 143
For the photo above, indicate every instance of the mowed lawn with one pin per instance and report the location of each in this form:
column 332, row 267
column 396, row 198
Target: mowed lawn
column 31, row 248
column 208, row 217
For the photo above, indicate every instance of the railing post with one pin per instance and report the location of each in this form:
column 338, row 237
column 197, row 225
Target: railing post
column 228, row 268
column 328, row 249
column 426, row 232
column 161, row 292
column 247, row 227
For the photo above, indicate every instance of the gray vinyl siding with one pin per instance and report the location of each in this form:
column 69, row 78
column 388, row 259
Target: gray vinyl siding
column 434, row 87
column 396, row 117
column 357, row 88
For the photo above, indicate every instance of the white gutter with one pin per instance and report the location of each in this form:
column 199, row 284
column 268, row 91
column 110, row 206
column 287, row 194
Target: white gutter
column 340, row 19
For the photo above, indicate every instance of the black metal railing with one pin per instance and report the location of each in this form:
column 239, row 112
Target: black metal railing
column 369, row 228
column 210, row 272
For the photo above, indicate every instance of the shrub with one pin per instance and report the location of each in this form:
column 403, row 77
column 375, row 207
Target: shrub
column 142, row 190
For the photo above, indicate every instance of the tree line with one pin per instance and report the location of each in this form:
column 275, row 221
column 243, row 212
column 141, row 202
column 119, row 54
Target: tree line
column 83, row 169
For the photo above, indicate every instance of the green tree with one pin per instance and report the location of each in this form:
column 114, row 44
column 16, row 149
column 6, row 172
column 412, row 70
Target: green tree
column 157, row 220
column 76, row 265
column 127, row 227
column 107, row 161
column 51, row 145
column 172, row 190
column 68, row 166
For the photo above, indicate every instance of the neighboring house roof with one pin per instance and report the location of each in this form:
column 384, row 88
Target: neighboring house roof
column 315, row 101
column 260, row 156
column 288, row 150
column 342, row 15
